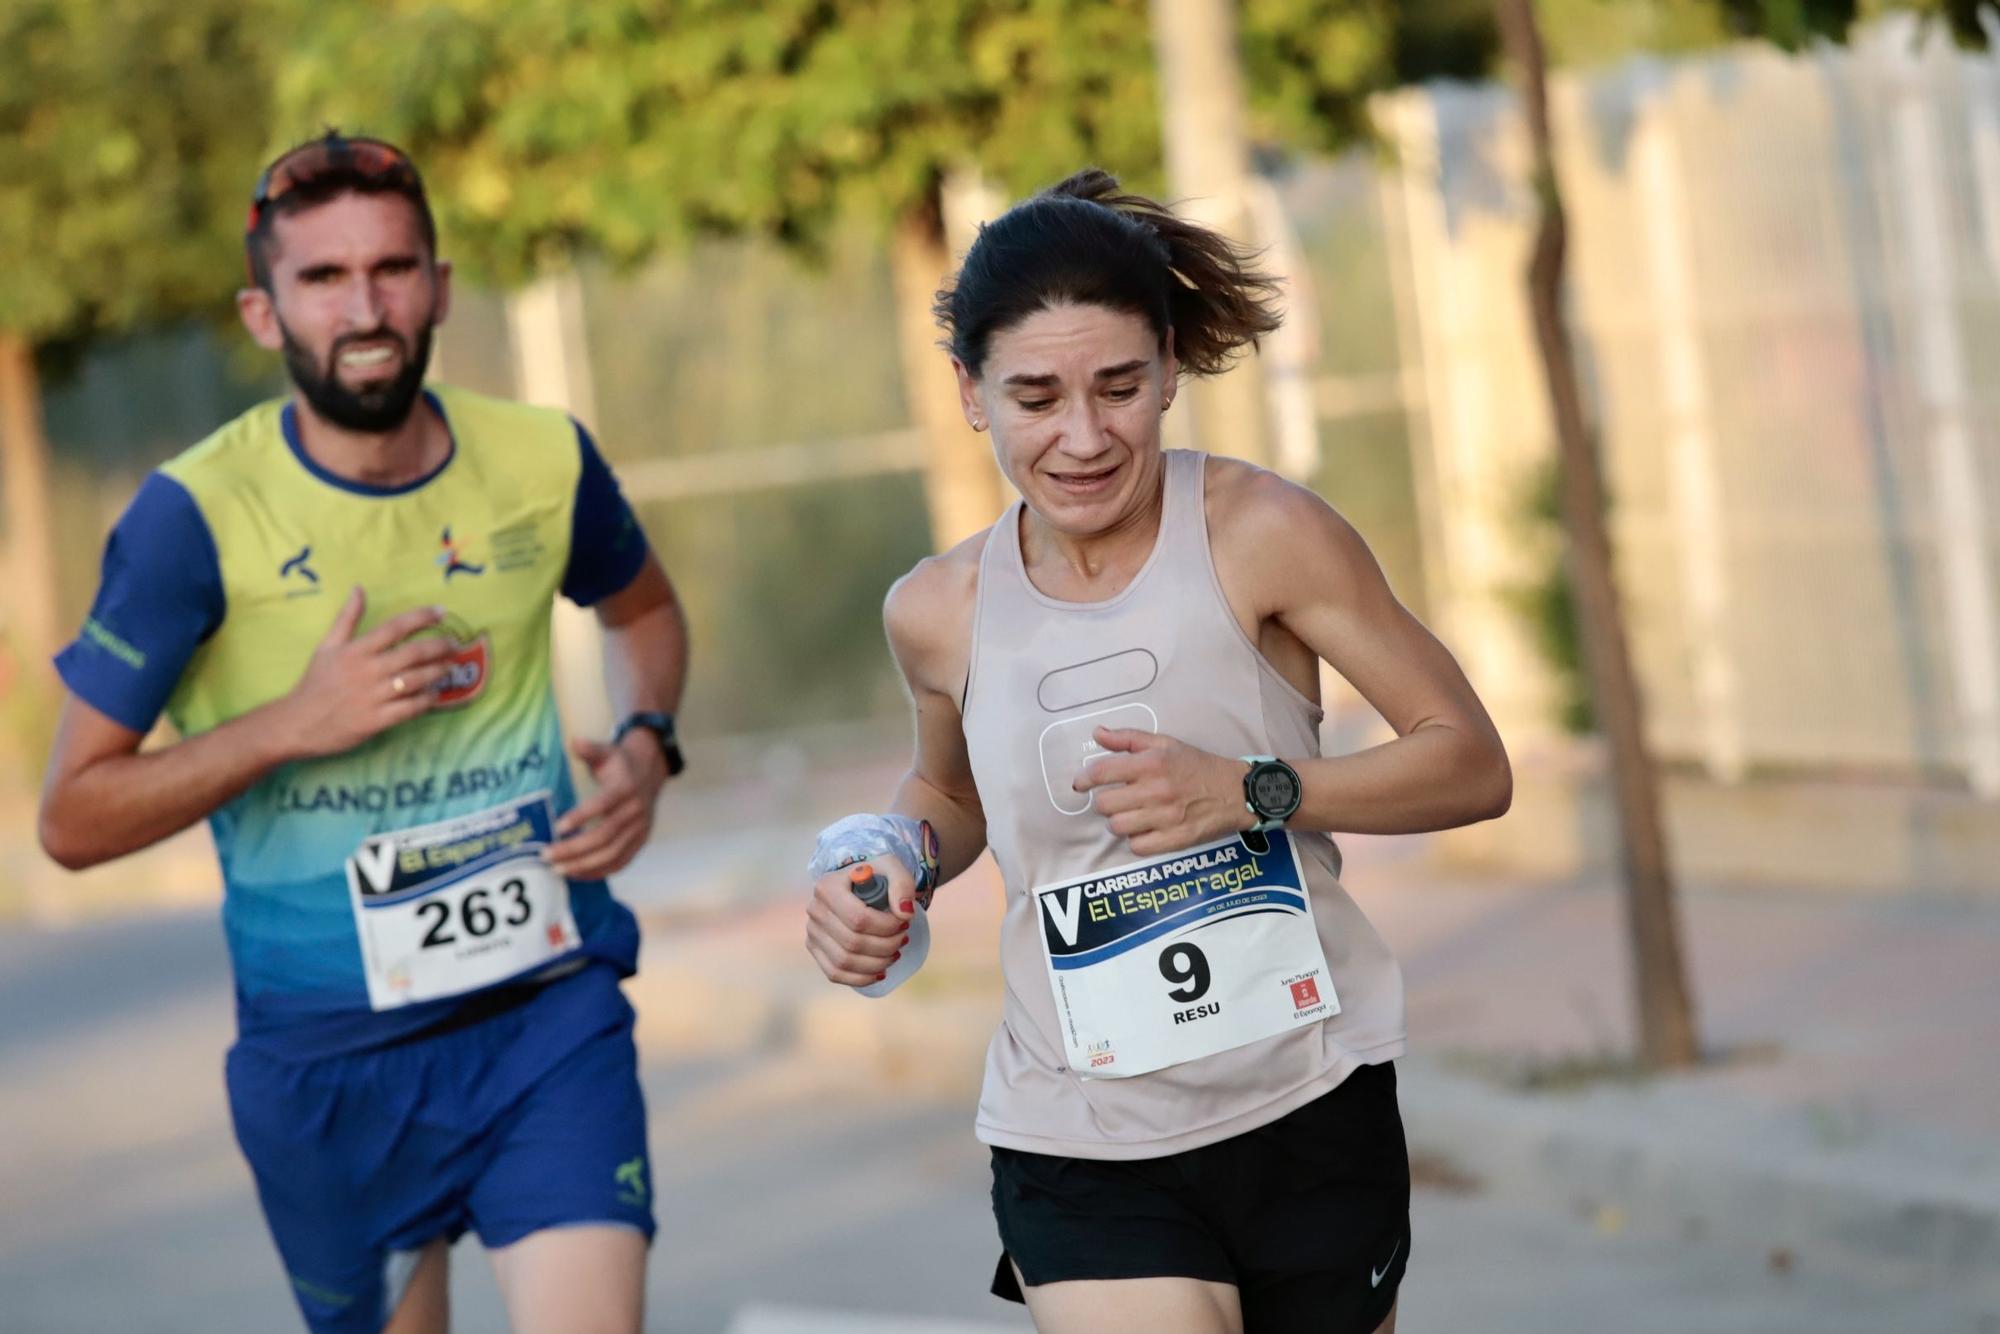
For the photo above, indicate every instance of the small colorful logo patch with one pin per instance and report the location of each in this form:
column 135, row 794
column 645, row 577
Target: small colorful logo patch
column 1305, row 994
column 469, row 665
column 450, row 559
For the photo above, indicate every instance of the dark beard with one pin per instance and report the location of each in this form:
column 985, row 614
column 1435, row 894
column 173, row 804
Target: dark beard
column 370, row 411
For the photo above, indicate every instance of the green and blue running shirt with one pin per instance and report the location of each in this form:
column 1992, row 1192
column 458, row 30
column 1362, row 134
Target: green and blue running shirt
column 221, row 579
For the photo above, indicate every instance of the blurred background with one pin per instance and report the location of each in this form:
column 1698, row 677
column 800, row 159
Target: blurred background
column 712, row 232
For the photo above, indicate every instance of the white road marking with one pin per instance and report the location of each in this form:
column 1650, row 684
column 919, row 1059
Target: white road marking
column 762, row 1319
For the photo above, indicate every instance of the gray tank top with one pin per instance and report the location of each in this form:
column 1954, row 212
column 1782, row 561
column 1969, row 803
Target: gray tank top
column 1165, row 654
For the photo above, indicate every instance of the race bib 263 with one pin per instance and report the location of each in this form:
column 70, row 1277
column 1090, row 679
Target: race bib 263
column 450, row 907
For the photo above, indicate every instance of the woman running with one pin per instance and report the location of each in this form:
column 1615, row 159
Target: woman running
column 1190, row 1101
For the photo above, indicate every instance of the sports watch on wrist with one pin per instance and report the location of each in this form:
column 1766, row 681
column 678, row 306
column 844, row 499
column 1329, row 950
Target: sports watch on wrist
column 1271, row 791
column 661, row 725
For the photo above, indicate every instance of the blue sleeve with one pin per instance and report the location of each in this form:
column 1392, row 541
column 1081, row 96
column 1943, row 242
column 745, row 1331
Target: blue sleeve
column 606, row 546
column 159, row 597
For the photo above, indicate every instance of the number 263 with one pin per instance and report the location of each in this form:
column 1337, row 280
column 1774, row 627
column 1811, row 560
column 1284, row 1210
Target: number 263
column 479, row 919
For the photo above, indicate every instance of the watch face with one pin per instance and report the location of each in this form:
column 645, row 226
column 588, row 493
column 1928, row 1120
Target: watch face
column 1274, row 789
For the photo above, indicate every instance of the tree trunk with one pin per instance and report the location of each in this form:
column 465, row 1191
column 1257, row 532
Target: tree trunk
column 962, row 484
column 33, row 622
column 1208, row 168
column 1666, row 1017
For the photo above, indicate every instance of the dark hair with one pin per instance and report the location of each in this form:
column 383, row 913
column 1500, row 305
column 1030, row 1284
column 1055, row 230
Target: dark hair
column 1081, row 242
column 342, row 176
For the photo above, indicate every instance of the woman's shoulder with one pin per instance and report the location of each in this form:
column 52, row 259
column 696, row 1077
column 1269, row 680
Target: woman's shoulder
column 1242, row 496
column 938, row 583
column 1266, row 528
column 928, row 612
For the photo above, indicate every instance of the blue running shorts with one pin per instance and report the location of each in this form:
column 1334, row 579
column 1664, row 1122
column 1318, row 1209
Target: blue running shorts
column 522, row 1114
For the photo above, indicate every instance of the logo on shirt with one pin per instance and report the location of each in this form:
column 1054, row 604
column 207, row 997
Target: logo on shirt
column 1305, row 994
column 297, row 565
column 100, row 634
column 469, row 665
column 630, row 1178
column 517, row 546
column 450, row 559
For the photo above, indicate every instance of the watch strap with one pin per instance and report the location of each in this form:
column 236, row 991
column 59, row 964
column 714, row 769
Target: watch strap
column 661, row 725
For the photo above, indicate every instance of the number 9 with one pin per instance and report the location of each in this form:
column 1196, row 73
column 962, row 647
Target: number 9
column 1184, row 963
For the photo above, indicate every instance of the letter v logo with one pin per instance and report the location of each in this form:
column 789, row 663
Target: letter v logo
column 1064, row 914
column 375, row 862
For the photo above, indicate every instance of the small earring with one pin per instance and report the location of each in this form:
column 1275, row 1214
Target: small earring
column 979, row 423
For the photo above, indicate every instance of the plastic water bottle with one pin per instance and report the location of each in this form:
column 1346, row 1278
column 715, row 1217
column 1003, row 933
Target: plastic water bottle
column 873, row 890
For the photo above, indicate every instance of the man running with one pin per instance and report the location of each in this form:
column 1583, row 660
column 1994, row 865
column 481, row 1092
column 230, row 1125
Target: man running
column 341, row 601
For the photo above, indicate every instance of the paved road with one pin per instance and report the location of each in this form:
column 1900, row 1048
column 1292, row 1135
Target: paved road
column 795, row 1201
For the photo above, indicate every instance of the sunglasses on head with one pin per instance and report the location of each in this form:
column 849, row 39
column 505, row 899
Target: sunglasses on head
column 368, row 158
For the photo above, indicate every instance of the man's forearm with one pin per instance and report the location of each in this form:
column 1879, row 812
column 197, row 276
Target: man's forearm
column 645, row 661
column 122, row 803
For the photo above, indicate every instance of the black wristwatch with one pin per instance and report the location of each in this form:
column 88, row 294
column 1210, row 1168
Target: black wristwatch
column 661, row 725
column 1272, row 791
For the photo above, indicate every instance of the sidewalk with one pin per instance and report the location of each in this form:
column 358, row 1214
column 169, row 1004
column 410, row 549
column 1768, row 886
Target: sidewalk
column 1847, row 1108
column 1848, row 1114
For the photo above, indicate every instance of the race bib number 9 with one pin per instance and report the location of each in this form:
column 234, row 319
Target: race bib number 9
column 451, row 907
column 1176, row 958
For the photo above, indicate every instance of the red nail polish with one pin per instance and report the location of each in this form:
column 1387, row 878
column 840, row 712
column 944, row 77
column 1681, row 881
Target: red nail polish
column 908, row 905
column 882, row 977
column 897, row 955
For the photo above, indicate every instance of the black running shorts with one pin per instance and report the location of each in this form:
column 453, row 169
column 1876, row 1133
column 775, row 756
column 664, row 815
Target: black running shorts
column 1309, row 1216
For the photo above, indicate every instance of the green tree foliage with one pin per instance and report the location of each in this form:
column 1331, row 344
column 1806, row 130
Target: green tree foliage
column 621, row 126
column 129, row 128
column 1969, row 20
column 124, row 127
column 126, row 134
column 1312, row 65
column 624, row 125
column 1587, row 32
